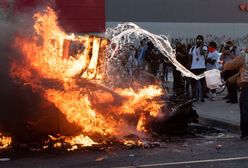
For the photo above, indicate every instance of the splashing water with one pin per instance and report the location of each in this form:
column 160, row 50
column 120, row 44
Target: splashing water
column 130, row 33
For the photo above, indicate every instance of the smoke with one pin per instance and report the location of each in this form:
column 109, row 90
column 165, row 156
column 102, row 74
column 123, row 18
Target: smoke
column 20, row 107
column 11, row 99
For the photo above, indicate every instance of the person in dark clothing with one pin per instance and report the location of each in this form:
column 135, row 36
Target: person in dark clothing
column 182, row 58
column 152, row 58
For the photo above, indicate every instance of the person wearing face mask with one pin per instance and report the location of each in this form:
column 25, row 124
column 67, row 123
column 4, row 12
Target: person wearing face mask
column 198, row 56
column 229, row 52
column 213, row 56
column 241, row 62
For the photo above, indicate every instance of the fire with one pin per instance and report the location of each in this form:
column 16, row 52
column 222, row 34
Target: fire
column 141, row 100
column 81, row 94
column 130, row 143
column 73, row 141
column 78, row 109
column 5, row 141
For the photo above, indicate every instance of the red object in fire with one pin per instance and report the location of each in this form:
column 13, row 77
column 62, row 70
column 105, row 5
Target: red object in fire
column 80, row 16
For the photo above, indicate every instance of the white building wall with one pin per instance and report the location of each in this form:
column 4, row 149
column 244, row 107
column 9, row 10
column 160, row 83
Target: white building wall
column 222, row 31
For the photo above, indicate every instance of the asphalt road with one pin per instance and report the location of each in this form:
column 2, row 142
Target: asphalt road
column 220, row 150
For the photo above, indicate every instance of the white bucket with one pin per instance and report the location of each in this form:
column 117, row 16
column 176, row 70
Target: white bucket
column 213, row 79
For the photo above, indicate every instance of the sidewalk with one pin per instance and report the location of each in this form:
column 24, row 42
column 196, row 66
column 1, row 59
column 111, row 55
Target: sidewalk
column 216, row 113
column 219, row 113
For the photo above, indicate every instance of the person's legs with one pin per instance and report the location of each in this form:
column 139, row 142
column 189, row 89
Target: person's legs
column 197, row 85
column 232, row 95
column 213, row 94
column 193, row 84
column 233, row 92
column 227, row 74
column 187, row 80
column 193, row 87
column 198, row 89
column 202, row 85
column 244, row 112
column 203, row 88
column 166, row 71
column 228, row 91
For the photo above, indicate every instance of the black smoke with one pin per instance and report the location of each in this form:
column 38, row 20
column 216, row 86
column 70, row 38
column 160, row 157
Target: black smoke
column 24, row 114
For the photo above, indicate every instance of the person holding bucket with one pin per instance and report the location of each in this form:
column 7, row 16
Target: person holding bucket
column 241, row 62
column 229, row 52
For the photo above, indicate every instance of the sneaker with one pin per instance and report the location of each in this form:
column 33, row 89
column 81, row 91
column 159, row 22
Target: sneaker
column 232, row 101
column 226, row 97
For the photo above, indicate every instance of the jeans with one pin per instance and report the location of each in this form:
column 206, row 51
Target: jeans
column 198, row 89
column 243, row 105
column 198, row 86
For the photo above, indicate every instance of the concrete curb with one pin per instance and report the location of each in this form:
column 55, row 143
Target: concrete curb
column 231, row 127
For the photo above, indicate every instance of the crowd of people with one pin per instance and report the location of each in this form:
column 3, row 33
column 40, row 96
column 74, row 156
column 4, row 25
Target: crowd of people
column 198, row 58
column 201, row 57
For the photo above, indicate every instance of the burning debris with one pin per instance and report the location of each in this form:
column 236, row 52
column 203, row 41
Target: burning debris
column 74, row 84
column 70, row 143
column 5, row 141
column 82, row 92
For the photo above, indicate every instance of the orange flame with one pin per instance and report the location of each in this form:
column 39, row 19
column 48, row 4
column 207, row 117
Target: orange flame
column 46, row 56
column 73, row 141
column 5, row 141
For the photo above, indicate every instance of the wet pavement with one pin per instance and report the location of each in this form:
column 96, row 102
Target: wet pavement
column 215, row 113
column 219, row 113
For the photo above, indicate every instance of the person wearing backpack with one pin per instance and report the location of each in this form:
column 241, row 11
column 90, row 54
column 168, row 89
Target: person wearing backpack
column 198, row 55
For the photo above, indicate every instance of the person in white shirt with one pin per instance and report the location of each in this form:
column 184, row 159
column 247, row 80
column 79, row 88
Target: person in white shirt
column 198, row 66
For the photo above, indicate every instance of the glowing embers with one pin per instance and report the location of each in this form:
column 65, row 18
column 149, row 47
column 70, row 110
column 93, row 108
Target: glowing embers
column 70, row 143
column 5, row 141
